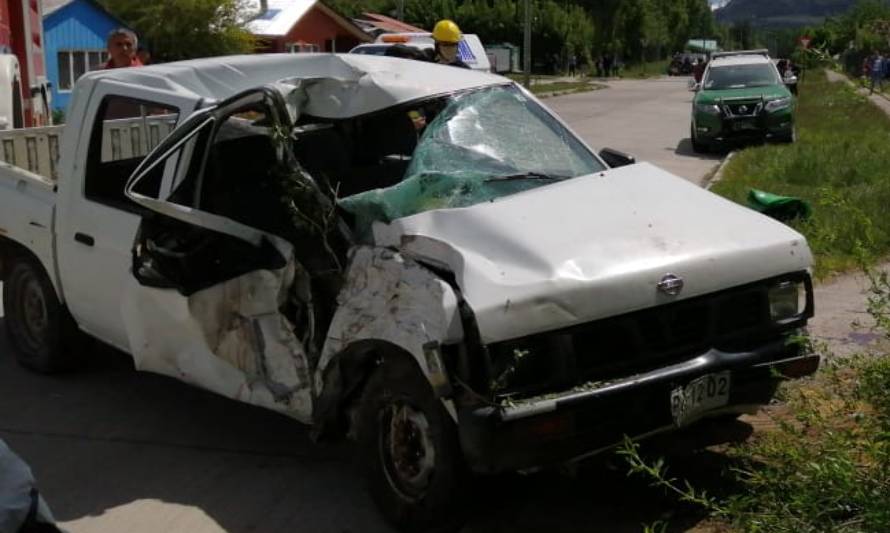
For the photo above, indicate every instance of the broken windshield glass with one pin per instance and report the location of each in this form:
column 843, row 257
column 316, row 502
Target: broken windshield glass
column 484, row 145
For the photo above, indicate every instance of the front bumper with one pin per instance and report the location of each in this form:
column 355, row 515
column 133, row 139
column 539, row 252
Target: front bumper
column 725, row 129
column 561, row 428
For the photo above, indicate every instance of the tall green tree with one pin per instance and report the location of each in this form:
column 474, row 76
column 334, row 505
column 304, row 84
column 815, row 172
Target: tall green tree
column 632, row 29
column 185, row 29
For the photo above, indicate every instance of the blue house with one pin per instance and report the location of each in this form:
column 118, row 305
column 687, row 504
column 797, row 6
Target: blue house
column 75, row 33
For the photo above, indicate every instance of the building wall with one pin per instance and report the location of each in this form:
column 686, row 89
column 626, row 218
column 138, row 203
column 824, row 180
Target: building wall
column 317, row 28
column 5, row 28
column 77, row 26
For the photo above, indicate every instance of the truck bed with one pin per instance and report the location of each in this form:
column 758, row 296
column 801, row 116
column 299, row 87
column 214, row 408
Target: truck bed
column 27, row 211
column 33, row 149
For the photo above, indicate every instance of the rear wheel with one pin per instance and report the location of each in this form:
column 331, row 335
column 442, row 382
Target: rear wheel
column 42, row 333
column 410, row 451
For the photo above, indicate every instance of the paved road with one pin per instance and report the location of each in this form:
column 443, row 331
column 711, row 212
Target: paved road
column 647, row 118
column 115, row 450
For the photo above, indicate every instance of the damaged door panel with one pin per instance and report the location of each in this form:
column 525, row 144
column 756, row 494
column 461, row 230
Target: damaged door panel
column 220, row 297
column 397, row 304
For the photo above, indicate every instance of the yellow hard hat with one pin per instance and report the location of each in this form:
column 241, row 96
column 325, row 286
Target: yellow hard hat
column 446, row 31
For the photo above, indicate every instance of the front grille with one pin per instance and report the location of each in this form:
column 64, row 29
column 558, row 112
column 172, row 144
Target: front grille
column 743, row 109
column 614, row 348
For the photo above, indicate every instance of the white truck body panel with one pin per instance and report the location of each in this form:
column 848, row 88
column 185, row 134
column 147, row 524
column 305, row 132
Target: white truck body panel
column 538, row 261
column 574, row 251
column 27, row 214
column 94, row 276
column 340, row 86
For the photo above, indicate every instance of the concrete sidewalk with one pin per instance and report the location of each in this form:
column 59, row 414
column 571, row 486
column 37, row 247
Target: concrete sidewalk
column 878, row 99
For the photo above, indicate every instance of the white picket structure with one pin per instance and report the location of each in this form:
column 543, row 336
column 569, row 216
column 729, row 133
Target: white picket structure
column 34, row 149
column 37, row 149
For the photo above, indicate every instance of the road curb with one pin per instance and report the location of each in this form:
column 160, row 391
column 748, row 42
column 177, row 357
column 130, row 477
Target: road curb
column 719, row 174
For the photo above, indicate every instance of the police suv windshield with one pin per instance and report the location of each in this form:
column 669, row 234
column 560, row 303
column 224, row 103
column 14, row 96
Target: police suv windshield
column 740, row 77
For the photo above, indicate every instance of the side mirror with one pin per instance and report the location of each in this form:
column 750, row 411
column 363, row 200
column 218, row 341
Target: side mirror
column 616, row 159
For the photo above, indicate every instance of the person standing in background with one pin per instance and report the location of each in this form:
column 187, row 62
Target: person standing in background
column 122, row 45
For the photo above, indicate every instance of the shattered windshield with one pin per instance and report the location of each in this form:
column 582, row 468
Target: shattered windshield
column 741, row 77
column 483, row 145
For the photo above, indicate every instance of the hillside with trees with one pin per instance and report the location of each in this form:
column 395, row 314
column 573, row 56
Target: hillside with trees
column 781, row 12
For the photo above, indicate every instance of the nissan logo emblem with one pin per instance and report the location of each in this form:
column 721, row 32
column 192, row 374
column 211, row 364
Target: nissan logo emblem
column 671, row 284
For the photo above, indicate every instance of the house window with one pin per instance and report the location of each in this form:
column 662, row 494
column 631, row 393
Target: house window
column 75, row 63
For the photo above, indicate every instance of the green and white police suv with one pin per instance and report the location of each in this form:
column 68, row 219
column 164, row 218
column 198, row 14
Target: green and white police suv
column 742, row 97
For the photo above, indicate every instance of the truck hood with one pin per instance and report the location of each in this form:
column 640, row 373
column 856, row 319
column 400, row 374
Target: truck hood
column 594, row 247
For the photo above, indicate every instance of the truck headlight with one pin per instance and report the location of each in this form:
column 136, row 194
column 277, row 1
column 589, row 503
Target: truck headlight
column 710, row 109
column 778, row 104
column 787, row 299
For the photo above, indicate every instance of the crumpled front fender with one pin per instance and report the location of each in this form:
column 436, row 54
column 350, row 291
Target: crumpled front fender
column 392, row 302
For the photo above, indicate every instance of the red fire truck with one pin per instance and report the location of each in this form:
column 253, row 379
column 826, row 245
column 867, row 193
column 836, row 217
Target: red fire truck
column 24, row 88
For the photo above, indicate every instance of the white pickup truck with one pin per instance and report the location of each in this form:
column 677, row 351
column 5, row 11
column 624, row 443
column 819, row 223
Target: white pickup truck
column 421, row 257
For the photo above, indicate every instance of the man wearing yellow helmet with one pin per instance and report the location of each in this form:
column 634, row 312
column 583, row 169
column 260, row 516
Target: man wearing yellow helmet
column 447, row 36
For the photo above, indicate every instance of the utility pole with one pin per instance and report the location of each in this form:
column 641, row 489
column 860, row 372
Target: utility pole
column 527, row 45
column 401, row 11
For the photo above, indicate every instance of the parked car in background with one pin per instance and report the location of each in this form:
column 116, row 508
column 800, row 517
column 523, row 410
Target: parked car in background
column 423, row 258
column 742, row 98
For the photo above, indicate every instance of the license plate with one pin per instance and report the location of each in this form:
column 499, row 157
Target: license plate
column 744, row 125
column 699, row 396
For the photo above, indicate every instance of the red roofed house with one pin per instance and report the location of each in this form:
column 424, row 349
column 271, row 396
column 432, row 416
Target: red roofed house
column 304, row 26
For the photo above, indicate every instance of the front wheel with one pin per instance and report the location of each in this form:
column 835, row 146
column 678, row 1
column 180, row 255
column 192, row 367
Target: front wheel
column 410, row 450
column 38, row 326
column 697, row 146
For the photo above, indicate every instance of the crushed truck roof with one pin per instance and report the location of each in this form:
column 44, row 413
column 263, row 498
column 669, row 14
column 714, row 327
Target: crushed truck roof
column 344, row 85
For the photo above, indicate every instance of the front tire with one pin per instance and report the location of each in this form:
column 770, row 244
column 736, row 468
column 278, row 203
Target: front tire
column 697, row 146
column 410, row 451
column 38, row 326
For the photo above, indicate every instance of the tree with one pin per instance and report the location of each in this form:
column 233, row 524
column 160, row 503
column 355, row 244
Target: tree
column 185, row 29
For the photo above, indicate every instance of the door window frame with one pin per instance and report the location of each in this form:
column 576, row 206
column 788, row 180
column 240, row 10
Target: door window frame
column 95, row 140
column 175, row 144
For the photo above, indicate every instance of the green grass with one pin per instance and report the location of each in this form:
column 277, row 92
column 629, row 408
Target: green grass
column 561, row 87
column 519, row 77
column 840, row 165
column 651, row 69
